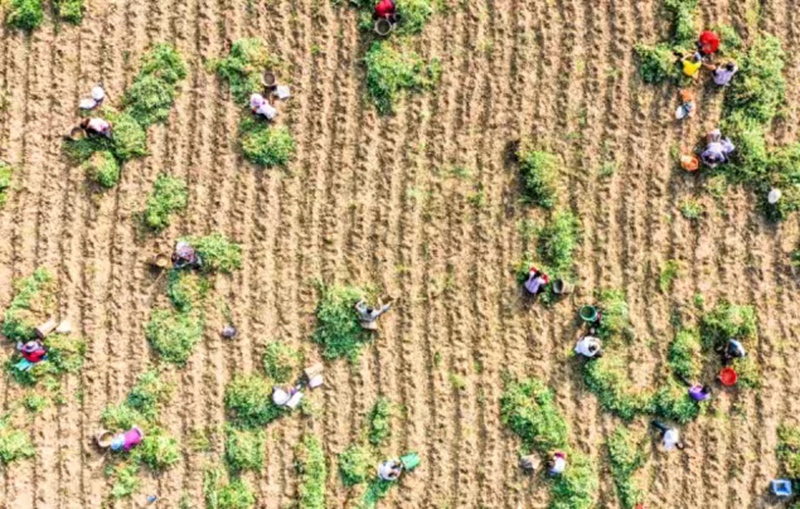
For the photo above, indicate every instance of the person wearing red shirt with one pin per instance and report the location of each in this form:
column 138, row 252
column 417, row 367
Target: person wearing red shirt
column 33, row 351
column 385, row 9
column 708, row 43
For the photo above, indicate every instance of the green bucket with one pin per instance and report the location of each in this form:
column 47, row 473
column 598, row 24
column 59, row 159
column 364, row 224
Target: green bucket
column 588, row 313
column 410, row 461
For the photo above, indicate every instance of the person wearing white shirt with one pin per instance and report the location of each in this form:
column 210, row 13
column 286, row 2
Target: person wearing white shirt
column 589, row 346
column 260, row 106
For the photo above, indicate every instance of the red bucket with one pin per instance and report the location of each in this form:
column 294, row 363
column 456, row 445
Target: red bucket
column 728, row 377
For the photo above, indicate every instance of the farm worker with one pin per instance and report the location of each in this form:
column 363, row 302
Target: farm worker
column 724, row 74
column 589, row 346
column 185, row 256
column 692, row 65
column 368, row 314
column 733, row 350
column 537, row 281
column 558, row 463
column 390, row 469
column 261, row 106
column 718, row 149
column 700, row 392
column 686, row 108
column 671, row 437
column 289, row 398
column 708, row 43
column 127, row 440
column 97, row 126
column 32, row 353
column 385, row 9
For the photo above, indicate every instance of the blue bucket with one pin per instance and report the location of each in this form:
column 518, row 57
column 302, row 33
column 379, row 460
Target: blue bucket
column 781, row 487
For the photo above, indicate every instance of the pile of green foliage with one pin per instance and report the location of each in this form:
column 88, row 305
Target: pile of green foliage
column 25, row 14
column 539, row 173
column 126, row 479
column 32, row 305
column 379, row 425
column 14, row 444
column 170, row 195
column 310, row 466
column 626, row 455
column 149, row 392
column 752, row 102
column 672, row 402
column 173, row 335
column 280, row 361
column 265, row 145
column 142, row 405
column 528, row 409
column 248, row 402
column 788, row 450
column 759, row 89
column 158, row 450
column 685, row 354
column 669, row 273
column 728, row 321
column 616, row 320
column 607, row 377
column 70, row 11
column 393, row 68
column 414, row 15
column 5, row 181
column 556, row 242
column 151, row 95
column 684, row 30
column 235, row 495
column 356, row 465
column 244, row 450
column 657, row 63
column 242, row 68
column 102, row 167
column 337, row 330
column 186, row 289
column 218, row 253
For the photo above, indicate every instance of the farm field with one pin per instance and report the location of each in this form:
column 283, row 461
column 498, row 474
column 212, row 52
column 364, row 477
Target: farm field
column 423, row 205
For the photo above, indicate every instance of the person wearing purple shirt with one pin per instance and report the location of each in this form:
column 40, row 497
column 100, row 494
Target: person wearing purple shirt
column 723, row 74
column 700, row 392
column 718, row 149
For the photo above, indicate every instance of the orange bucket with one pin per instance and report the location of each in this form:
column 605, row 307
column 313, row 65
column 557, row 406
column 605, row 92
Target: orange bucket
column 690, row 163
column 728, row 377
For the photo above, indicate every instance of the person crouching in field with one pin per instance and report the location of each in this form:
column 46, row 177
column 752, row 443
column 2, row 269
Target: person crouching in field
column 260, row 106
column 718, row 150
column 537, row 281
column 589, row 347
column 385, row 9
column 97, row 127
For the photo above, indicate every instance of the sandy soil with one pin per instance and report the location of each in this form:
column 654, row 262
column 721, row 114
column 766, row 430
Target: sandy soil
column 372, row 200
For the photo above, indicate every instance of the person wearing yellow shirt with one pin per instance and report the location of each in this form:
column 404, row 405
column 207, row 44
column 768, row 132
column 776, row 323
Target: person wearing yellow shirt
column 692, row 65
